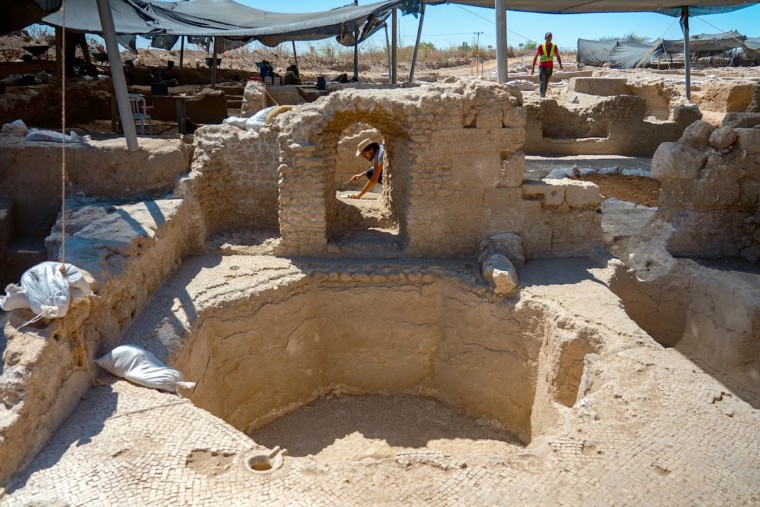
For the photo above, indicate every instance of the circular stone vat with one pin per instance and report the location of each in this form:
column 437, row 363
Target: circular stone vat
column 416, row 330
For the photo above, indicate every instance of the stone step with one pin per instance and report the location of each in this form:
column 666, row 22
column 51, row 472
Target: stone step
column 235, row 104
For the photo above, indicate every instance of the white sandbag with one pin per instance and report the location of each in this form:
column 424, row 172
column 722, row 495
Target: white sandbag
column 15, row 128
column 587, row 171
column 641, row 173
column 258, row 120
column 610, row 171
column 141, row 367
column 15, row 298
column 55, row 137
column 46, row 290
column 236, row 120
column 563, row 172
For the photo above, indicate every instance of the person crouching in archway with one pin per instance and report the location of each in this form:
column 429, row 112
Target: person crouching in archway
column 373, row 152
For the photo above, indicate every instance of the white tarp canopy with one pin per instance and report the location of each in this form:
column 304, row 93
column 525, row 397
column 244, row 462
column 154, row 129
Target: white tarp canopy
column 670, row 7
column 225, row 18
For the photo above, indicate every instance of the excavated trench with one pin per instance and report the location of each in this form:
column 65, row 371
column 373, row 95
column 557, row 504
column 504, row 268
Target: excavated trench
column 404, row 330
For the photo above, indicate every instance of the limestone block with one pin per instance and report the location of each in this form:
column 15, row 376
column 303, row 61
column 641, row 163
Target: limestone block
column 603, row 86
column 507, row 244
column 496, row 200
column 742, row 120
column 677, row 161
column 686, row 114
column 501, row 273
column 489, row 118
column 722, row 137
column 512, row 171
column 749, row 139
column 284, row 95
column 550, row 192
column 717, row 188
column 575, row 232
column 582, row 194
column 698, row 133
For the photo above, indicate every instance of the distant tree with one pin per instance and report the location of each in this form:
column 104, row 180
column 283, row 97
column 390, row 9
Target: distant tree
column 531, row 44
column 427, row 45
column 464, row 46
column 629, row 37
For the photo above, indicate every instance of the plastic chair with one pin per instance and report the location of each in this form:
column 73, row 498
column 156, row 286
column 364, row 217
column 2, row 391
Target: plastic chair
column 140, row 112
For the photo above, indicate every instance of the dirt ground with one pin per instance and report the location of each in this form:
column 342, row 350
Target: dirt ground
column 644, row 191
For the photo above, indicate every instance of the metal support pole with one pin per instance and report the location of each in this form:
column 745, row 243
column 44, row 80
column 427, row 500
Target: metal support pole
column 394, row 46
column 213, row 66
column 686, row 51
column 388, row 51
column 356, row 56
column 501, row 40
column 181, row 50
column 417, row 43
column 295, row 55
column 117, row 74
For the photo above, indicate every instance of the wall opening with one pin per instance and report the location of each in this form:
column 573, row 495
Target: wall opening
column 366, row 226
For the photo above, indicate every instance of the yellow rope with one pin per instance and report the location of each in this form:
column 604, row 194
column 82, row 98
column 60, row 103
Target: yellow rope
column 86, row 360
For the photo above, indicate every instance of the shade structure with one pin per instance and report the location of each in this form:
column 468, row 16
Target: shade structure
column 226, row 18
column 669, row 7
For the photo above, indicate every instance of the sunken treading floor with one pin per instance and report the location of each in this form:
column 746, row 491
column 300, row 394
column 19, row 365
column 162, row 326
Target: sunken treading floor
column 374, row 427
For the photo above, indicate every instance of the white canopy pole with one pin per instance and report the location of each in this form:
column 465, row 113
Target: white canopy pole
column 686, row 51
column 501, row 40
column 417, row 43
column 117, row 74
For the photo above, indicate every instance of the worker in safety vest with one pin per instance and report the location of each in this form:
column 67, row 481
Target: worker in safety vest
column 546, row 53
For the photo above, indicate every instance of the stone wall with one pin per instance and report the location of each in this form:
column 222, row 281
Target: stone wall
column 453, row 173
column 234, row 178
column 605, row 116
column 30, row 173
column 125, row 252
column 711, row 189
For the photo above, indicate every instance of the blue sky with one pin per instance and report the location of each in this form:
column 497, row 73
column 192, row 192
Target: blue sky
column 447, row 25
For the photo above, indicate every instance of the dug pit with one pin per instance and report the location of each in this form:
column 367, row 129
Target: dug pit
column 276, row 335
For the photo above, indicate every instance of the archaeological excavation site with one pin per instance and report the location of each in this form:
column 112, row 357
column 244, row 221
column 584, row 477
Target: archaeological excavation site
column 494, row 324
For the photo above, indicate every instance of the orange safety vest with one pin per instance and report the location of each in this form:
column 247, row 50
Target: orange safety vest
column 547, row 57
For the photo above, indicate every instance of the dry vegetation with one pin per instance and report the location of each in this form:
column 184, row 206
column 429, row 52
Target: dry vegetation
column 320, row 56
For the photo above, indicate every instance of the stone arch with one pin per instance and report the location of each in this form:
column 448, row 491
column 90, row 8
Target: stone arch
column 395, row 138
column 447, row 145
column 313, row 155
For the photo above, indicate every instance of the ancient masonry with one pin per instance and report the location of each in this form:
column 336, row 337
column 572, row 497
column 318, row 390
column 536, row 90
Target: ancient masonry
column 487, row 292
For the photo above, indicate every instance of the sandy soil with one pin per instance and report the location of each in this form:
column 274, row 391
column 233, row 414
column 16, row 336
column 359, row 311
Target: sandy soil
column 644, row 191
column 355, row 428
